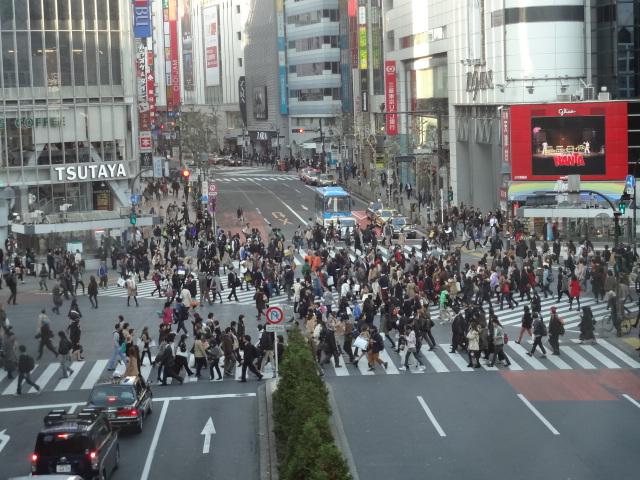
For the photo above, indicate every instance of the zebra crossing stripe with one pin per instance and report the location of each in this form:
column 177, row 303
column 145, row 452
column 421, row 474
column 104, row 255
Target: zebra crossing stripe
column 558, row 362
column 433, row 360
column 65, row 383
column 598, row 355
column 532, row 361
column 579, row 359
column 619, row 354
column 456, row 358
column 46, row 376
column 94, row 374
column 391, row 368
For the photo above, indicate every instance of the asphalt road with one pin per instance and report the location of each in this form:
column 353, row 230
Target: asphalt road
column 385, row 422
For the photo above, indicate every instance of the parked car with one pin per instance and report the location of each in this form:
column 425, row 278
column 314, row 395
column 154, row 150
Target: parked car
column 372, row 209
column 83, row 444
column 327, row 180
column 125, row 401
column 384, row 215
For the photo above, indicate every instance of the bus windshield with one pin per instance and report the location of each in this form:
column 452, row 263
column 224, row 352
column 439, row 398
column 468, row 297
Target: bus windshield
column 337, row 205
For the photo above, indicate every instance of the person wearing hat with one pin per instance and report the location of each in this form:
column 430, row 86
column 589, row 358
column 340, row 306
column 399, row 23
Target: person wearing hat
column 539, row 332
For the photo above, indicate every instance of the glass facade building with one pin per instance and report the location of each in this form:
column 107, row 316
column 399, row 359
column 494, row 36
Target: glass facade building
column 67, row 100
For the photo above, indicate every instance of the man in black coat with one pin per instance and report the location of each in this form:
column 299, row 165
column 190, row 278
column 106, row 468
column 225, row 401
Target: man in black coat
column 167, row 360
column 250, row 354
column 232, row 280
column 331, row 349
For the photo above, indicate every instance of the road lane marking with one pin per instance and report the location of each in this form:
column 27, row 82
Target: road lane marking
column 65, row 383
column 94, row 374
column 433, row 360
column 631, row 400
column 391, row 368
column 618, row 353
column 456, row 358
column 600, row 357
column 538, row 414
column 44, row 378
column 579, row 359
column 435, row 423
column 39, row 407
column 154, row 442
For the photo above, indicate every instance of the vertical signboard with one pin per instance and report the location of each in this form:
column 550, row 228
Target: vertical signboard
column 141, row 19
column 282, row 56
column 167, row 53
column 391, row 97
column 364, row 55
column 187, row 44
column 242, row 99
column 506, row 136
column 175, row 52
column 212, row 51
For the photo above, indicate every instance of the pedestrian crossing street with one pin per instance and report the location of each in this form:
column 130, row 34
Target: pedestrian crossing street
column 245, row 297
column 603, row 355
column 257, row 178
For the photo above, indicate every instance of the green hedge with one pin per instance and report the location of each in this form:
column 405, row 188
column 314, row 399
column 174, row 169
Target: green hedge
column 301, row 411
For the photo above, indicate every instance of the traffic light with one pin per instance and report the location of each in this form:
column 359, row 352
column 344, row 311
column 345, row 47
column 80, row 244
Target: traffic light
column 622, row 207
column 297, row 130
column 185, row 173
column 450, row 195
column 162, row 127
column 133, row 218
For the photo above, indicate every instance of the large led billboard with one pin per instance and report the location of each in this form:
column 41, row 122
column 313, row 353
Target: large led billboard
column 552, row 141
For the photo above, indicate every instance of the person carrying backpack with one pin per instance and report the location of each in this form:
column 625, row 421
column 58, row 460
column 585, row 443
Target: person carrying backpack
column 539, row 332
column 26, row 364
column 64, row 349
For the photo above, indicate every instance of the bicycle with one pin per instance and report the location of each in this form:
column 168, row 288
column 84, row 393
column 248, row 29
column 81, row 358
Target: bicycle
column 607, row 324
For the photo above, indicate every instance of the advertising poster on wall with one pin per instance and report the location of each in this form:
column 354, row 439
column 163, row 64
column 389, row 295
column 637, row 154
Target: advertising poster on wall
column 187, row 44
column 212, row 53
column 260, row 107
column 391, row 97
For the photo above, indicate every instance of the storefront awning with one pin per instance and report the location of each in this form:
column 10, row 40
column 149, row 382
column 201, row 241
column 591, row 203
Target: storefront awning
column 519, row 191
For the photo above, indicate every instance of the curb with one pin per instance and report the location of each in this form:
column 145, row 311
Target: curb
column 339, row 435
column 267, row 438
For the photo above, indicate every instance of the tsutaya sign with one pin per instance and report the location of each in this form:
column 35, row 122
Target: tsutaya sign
column 95, row 171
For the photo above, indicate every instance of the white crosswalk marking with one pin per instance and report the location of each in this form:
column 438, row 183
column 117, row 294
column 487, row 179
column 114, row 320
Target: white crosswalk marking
column 579, row 359
column 94, row 374
column 12, row 387
column 532, row 361
column 599, row 356
column 44, row 377
column 456, row 358
column 391, row 368
column 619, row 354
column 65, row 383
column 433, row 360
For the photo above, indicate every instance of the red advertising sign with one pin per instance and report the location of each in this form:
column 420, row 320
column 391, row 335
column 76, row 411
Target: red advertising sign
column 392, row 96
column 505, row 131
column 550, row 141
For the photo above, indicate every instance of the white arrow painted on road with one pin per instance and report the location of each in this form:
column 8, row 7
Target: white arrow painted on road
column 304, row 207
column 207, row 431
column 4, row 439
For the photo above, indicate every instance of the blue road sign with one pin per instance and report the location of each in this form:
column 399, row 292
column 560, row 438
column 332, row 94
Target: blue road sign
column 134, row 199
column 630, row 181
column 204, row 198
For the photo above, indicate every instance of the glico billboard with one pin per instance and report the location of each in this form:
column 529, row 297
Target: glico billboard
column 556, row 140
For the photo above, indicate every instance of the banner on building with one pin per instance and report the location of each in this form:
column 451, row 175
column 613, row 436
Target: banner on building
column 187, row 44
column 141, row 19
column 175, row 54
column 212, row 52
column 282, row 56
column 391, row 96
column 242, row 99
column 506, row 136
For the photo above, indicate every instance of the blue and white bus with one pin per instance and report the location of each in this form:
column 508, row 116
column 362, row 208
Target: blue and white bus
column 332, row 203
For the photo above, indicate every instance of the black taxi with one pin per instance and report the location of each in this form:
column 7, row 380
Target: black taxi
column 125, row 401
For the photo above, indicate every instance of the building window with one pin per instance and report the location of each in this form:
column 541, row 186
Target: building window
column 239, row 35
column 239, row 62
column 421, row 38
column 237, row 8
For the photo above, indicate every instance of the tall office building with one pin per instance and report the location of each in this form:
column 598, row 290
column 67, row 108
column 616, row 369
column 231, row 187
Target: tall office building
column 67, row 113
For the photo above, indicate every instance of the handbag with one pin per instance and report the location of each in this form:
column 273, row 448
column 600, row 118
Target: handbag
column 361, row 343
column 330, row 281
column 121, row 282
column 505, row 338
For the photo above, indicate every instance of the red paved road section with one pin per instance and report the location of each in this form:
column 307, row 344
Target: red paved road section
column 575, row 385
column 229, row 221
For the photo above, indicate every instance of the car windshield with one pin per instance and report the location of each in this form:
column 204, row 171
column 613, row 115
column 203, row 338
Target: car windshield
column 337, row 205
column 398, row 221
column 55, row 444
column 112, row 396
column 313, row 174
column 347, row 222
column 326, row 176
column 375, row 206
column 385, row 213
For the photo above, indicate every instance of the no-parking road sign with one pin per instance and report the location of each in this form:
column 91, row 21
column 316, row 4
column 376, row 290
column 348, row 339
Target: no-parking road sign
column 274, row 315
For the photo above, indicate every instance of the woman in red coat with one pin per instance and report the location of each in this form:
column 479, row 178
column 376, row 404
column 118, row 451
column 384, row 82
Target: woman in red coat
column 574, row 291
